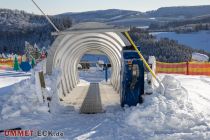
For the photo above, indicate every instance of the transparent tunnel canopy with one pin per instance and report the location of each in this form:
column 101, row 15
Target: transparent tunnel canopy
column 70, row 45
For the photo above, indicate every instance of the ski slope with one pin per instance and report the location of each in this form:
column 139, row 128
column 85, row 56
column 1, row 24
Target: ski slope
column 197, row 40
column 182, row 113
column 8, row 78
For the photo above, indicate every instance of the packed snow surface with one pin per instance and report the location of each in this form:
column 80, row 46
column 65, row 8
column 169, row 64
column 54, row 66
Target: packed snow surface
column 197, row 40
column 8, row 78
column 181, row 113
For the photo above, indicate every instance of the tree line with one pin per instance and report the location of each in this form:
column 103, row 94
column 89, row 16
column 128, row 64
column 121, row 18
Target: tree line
column 16, row 27
column 165, row 50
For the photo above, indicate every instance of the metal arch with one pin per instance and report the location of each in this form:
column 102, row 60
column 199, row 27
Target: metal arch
column 74, row 60
column 96, row 47
column 78, row 59
column 102, row 43
column 65, row 62
column 51, row 53
column 74, row 71
column 87, row 49
column 113, row 60
column 110, row 43
column 63, row 78
column 59, row 41
column 78, row 38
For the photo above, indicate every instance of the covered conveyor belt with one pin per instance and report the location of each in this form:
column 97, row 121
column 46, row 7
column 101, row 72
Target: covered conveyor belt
column 92, row 97
column 72, row 44
column 92, row 101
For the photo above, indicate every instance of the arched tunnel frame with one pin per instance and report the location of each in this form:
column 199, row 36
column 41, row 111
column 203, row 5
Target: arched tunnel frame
column 67, row 50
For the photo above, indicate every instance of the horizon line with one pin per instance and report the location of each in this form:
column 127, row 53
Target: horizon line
column 103, row 10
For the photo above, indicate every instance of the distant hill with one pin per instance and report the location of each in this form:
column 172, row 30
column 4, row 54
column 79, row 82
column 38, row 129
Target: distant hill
column 103, row 15
column 15, row 21
column 183, row 19
column 182, row 11
column 16, row 26
column 111, row 16
column 136, row 18
column 165, row 50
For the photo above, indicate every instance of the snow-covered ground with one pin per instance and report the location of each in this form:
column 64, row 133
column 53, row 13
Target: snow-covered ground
column 91, row 75
column 7, row 81
column 182, row 113
column 197, row 40
column 8, row 78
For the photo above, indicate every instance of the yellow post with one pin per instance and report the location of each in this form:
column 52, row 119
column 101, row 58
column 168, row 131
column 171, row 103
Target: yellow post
column 145, row 62
column 141, row 56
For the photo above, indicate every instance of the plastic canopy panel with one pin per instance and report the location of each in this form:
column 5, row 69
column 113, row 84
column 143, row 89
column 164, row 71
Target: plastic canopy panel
column 69, row 46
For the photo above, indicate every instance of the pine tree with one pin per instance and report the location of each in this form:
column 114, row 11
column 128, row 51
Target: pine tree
column 33, row 63
column 16, row 64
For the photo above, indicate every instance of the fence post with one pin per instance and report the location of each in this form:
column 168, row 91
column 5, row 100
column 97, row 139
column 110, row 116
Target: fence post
column 41, row 77
column 187, row 67
column 38, row 87
column 106, row 72
column 43, row 86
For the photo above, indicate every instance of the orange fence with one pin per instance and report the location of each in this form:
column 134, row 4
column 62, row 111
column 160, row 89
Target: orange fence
column 188, row 68
column 196, row 68
column 176, row 68
column 8, row 62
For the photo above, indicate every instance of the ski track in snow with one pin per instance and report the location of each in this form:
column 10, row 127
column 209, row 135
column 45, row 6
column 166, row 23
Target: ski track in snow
column 8, row 78
column 199, row 93
column 160, row 117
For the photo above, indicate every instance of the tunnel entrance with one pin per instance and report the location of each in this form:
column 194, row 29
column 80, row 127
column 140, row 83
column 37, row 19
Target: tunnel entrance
column 66, row 54
column 95, row 67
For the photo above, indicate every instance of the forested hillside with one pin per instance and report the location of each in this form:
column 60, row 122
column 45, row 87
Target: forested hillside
column 180, row 11
column 188, row 25
column 164, row 50
column 16, row 27
column 128, row 17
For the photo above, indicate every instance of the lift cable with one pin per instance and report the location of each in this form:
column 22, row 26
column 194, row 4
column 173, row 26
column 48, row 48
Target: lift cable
column 49, row 20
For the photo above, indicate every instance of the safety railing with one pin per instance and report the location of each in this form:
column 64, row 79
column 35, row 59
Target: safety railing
column 8, row 63
column 187, row 68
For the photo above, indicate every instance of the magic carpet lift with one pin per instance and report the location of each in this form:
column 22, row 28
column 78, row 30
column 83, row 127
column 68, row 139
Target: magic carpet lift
column 132, row 73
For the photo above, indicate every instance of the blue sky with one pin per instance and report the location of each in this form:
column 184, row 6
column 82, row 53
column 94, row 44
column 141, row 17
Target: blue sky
column 61, row 6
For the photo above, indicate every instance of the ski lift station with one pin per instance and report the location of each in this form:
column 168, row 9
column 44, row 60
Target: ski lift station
column 127, row 77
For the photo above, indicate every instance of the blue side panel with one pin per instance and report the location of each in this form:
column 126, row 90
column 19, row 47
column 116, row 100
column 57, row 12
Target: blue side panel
column 132, row 79
column 25, row 66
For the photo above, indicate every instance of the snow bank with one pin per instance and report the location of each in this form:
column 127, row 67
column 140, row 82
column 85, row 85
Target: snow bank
column 200, row 57
column 24, row 99
column 169, row 116
column 51, row 89
column 159, row 114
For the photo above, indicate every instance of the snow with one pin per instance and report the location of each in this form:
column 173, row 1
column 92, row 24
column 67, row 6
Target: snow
column 200, row 57
column 8, row 78
column 182, row 113
column 94, row 74
column 197, row 40
column 152, row 18
column 169, row 114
